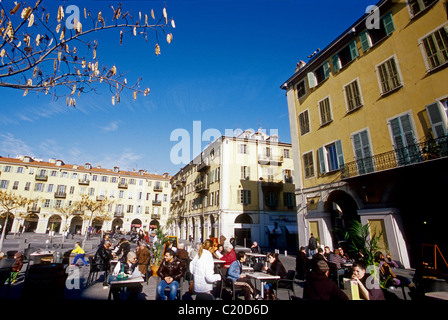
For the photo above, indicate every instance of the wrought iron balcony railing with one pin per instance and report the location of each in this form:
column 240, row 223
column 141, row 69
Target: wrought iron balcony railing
column 412, row 154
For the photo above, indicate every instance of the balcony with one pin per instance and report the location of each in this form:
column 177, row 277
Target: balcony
column 412, row 154
column 84, row 182
column 203, row 166
column 271, row 183
column 119, row 214
column 34, row 209
column 122, row 185
column 201, row 187
column 272, row 160
column 41, row 177
column 156, row 202
column 78, row 212
column 155, row 216
column 100, row 198
column 60, row 195
column 158, row 188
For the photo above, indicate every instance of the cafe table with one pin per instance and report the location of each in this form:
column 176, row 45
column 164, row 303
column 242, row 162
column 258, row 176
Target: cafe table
column 38, row 255
column 218, row 264
column 263, row 278
column 254, row 257
column 117, row 284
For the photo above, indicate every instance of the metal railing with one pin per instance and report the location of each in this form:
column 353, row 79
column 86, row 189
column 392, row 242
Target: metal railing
column 412, row 154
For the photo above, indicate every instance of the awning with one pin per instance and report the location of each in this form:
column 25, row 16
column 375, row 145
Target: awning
column 292, row 229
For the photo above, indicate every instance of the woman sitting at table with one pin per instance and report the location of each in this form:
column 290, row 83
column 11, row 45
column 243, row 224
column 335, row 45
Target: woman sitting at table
column 277, row 269
column 368, row 289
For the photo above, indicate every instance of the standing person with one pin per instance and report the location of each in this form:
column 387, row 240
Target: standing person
column 80, row 253
column 235, row 273
column 143, row 256
column 202, row 268
column 277, row 269
column 170, row 272
column 123, row 249
column 312, row 245
column 319, row 287
column 367, row 290
column 102, row 260
column 229, row 256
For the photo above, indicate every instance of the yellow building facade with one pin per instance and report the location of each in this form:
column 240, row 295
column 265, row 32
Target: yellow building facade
column 139, row 199
column 365, row 112
column 240, row 186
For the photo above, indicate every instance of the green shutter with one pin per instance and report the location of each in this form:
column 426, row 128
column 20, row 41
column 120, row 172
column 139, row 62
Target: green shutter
column 336, row 63
column 388, row 23
column 339, row 153
column 353, row 49
column 365, row 41
column 320, row 154
column 326, row 67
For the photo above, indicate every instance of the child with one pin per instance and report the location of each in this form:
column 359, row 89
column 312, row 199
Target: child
column 79, row 254
column 16, row 267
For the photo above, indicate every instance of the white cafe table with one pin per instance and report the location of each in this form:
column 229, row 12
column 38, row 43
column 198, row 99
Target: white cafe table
column 116, row 283
column 263, row 278
column 38, row 255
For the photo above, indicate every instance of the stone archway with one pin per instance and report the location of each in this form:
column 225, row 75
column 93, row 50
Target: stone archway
column 343, row 209
column 243, row 235
column 117, row 223
column 31, row 221
column 54, row 223
column 76, row 225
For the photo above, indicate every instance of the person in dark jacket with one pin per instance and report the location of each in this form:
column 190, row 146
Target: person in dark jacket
column 102, row 259
column 319, row 287
column 170, row 272
column 302, row 264
column 277, row 269
column 123, row 249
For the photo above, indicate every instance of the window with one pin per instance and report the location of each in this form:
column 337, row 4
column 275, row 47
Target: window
column 369, row 38
column 331, row 157
column 388, row 76
column 308, row 164
column 27, row 186
column 319, row 75
column 286, row 153
column 435, row 48
column 304, row 122
column 353, row 96
column 438, row 115
column 39, row 187
column 4, row 184
column 19, row 169
column 16, row 185
column 301, row 89
column 104, row 178
column 271, row 199
column 417, row 6
column 404, row 140
column 363, row 153
column 287, row 175
column 346, row 55
column 245, row 173
column 288, row 199
column 244, row 196
column 325, row 111
column 243, row 149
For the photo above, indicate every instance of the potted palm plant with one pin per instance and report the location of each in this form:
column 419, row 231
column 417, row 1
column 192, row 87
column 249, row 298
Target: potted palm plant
column 157, row 251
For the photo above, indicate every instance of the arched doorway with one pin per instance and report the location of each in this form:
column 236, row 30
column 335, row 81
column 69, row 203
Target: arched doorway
column 31, row 221
column 54, row 223
column 97, row 224
column 154, row 224
column 136, row 224
column 76, row 225
column 117, row 224
column 343, row 209
column 243, row 234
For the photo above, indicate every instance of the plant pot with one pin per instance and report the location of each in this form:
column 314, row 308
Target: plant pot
column 154, row 269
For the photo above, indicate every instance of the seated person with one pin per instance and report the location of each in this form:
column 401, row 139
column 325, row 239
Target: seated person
column 276, row 268
column 319, row 287
column 337, row 259
column 391, row 279
column 302, row 264
column 255, row 248
column 219, row 252
column 129, row 267
column 229, row 256
column 234, row 273
column 170, row 272
column 368, row 290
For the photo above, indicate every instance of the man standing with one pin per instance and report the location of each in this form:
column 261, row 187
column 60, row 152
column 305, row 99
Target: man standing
column 170, row 272
column 312, row 246
column 102, row 260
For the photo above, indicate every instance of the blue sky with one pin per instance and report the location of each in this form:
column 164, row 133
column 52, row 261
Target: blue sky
column 223, row 68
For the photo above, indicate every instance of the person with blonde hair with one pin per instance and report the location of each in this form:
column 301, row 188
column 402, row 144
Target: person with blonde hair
column 202, row 268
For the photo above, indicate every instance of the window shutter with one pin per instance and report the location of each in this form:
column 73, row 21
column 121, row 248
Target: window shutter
column 326, row 67
column 339, row 153
column 239, row 195
column 336, row 63
column 312, row 81
column 388, row 23
column 320, row 154
column 436, row 118
column 365, row 41
column 353, row 49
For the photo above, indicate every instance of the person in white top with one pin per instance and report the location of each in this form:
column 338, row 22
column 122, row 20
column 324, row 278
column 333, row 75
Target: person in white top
column 202, row 268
